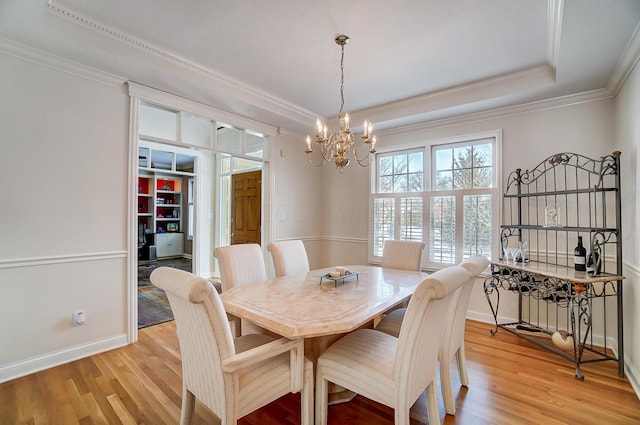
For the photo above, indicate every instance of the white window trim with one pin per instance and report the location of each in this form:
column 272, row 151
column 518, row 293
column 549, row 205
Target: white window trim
column 428, row 193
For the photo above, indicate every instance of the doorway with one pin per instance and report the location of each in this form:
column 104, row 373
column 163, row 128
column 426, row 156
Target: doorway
column 166, row 204
column 223, row 149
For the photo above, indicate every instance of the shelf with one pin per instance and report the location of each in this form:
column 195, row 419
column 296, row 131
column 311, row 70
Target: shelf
column 557, row 272
column 560, row 192
column 159, row 198
column 559, row 228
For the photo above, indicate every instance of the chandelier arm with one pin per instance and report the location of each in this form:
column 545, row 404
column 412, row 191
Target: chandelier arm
column 320, row 164
column 363, row 162
column 325, row 153
column 327, row 149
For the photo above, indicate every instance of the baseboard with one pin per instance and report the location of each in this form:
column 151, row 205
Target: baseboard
column 487, row 318
column 56, row 358
column 632, row 375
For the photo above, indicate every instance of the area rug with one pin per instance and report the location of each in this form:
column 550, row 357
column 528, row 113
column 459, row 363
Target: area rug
column 145, row 269
column 153, row 307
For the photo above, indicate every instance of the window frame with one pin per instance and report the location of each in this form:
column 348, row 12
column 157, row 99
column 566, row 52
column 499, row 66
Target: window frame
column 427, row 147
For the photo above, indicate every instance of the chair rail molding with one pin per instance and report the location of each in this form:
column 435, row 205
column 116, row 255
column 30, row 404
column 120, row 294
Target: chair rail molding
column 60, row 259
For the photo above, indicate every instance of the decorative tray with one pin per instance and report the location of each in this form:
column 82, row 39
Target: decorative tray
column 338, row 278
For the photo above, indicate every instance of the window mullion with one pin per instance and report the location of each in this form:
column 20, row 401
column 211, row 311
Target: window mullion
column 397, row 215
column 459, row 227
column 426, row 228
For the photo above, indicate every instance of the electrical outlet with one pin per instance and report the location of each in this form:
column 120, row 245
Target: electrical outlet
column 79, row 318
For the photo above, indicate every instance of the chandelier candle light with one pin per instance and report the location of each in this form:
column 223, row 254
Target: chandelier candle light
column 342, row 145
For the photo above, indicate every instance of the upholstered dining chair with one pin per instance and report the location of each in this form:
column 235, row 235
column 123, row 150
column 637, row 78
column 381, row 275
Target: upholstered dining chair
column 231, row 377
column 453, row 339
column 289, row 257
column 389, row 370
column 405, row 255
column 240, row 265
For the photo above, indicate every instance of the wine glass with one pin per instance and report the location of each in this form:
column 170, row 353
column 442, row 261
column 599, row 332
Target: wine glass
column 505, row 252
column 522, row 246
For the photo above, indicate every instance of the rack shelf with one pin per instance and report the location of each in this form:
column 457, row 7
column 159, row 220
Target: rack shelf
column 554, row 298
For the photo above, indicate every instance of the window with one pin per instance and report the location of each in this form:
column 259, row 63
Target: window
column 401, row 172
column 443, row 194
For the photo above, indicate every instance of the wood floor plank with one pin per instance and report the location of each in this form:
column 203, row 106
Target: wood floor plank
column 75, row 399
column 511, row 382
column 96, row 415
column 121, row 410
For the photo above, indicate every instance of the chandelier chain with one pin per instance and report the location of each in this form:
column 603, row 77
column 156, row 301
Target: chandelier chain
column 341, row 82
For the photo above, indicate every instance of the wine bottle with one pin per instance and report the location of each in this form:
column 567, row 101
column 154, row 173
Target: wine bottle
column 593, row 263
column 580, row 256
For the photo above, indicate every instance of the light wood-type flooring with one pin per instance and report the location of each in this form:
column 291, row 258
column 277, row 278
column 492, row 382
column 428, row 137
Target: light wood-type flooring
column 512, row 382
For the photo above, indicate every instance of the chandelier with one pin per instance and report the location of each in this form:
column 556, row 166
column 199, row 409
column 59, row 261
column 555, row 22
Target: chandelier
column 342, row 145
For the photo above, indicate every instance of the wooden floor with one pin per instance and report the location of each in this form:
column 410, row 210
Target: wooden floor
column 512, row 382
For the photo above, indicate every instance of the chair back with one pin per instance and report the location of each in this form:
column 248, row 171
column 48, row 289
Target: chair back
column 289, row 257
column 203, row 332
column 422, row 331
column 240, row 265
column 454, row 333
column 405, row 255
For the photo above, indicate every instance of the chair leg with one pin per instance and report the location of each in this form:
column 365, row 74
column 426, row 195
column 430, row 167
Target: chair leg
column 402, row 415
column 322, row 398
column 432, row 404
column 462, row 366
column 447, row 388
column 188, row 407
column 306, row 397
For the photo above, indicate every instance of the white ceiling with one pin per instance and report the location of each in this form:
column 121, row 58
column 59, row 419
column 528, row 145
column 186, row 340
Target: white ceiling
column 408, row 60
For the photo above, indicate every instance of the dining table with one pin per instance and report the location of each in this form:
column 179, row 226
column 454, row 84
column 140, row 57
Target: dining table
column 319, row 308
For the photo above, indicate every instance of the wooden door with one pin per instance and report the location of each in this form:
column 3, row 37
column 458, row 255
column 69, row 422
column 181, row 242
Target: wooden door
column 246, row 204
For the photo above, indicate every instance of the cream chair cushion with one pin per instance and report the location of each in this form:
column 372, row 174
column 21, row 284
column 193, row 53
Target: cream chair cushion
column 289, row 257
column 405, row 255
column 241, row 265
column 230, row 377
column 453, row 339
column 394, row 371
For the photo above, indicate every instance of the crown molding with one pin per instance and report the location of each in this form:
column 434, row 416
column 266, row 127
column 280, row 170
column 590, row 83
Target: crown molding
column 21, row 51
column 555, row 9
column 239, row 90
column 507, row 111
column 625, row 65
column 461, row 95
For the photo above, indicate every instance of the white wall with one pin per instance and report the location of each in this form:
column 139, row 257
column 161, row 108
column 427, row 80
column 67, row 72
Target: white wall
column 63, row 214
column 628, row 142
